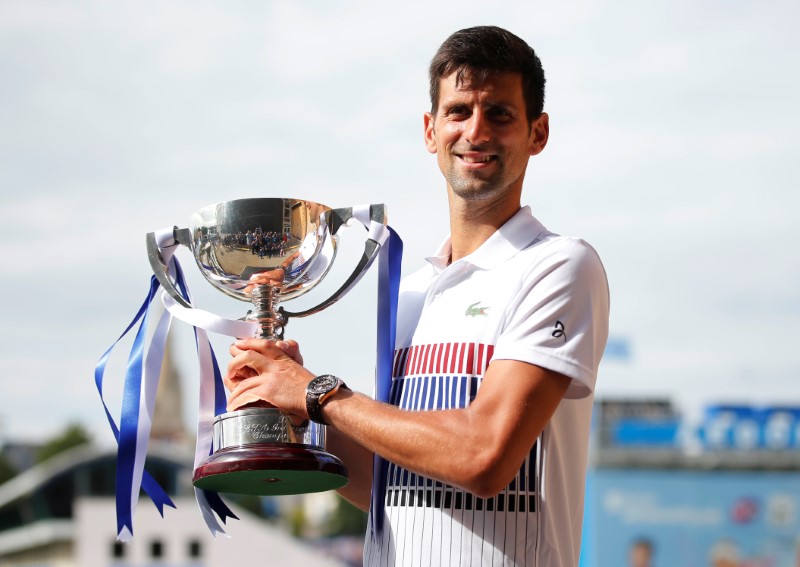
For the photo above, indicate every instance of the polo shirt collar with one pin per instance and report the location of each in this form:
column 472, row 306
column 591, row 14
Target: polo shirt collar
column 517, row 233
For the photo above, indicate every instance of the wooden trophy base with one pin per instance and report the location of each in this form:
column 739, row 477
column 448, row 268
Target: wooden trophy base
column 270, row 469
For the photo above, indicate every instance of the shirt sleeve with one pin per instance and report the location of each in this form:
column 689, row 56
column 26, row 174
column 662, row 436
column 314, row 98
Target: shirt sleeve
column 559, row 317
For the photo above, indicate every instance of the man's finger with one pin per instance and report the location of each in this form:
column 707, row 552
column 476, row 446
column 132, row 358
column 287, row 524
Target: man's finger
column 291, row 349
column 244, row 365
column 242, row 399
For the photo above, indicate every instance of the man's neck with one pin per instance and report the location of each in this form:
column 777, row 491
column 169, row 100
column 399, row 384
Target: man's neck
column 473, row 222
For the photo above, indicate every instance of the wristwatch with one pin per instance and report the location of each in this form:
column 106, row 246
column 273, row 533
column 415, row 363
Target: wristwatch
column 318, row 391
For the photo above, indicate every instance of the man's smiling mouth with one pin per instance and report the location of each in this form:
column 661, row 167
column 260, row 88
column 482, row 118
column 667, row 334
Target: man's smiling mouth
column 476, row 158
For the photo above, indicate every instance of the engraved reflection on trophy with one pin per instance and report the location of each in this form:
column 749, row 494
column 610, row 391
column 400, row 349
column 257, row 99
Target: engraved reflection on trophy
column 266, row 251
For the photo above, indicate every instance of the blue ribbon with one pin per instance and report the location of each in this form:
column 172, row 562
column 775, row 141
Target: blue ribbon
column 125, row 436
column 388, row 290
column 127, row 433
column 220, row 400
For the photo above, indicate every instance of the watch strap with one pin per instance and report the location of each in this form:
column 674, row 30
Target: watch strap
column 314, row 402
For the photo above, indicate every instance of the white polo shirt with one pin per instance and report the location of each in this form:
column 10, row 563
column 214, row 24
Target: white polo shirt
column 526, row 294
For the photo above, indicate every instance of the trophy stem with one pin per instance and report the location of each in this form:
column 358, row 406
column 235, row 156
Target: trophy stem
column 265, row 298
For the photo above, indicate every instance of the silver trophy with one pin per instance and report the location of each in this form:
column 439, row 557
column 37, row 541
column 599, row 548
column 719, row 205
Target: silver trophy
column 265, row 251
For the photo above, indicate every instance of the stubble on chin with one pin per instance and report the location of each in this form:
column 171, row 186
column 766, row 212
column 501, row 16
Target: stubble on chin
column 473, row 188
column 475, row 195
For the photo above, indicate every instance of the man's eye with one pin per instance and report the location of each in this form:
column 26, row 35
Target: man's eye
column 500, row 114
column 458, row 111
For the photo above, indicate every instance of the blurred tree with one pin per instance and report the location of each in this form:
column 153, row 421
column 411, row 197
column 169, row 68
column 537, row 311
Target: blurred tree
column 7, row 470
column 346, row 519
column 262, row 506
column 73, row 436
column 297, row 521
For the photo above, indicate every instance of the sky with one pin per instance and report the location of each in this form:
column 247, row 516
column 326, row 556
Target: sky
column 674, row 135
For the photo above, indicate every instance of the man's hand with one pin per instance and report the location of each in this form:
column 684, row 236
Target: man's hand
column 291, row 349
column 275, row 276
column 262, row 370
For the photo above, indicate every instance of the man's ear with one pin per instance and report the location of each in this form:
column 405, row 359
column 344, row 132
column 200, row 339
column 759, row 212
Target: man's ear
column 430, row 133
column 540, row 132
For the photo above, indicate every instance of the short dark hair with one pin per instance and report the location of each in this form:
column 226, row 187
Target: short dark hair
column 476, row 53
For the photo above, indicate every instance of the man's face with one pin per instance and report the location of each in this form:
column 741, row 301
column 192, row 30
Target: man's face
column 482, row 137
column 640, row 556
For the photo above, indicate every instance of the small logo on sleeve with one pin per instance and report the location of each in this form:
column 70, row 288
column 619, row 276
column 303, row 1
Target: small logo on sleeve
column 558, row 332
column 474, row 311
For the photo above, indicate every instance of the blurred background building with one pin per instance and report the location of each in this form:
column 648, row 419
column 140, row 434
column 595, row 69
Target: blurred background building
column 721, row 492
column 61, row 513
column 57, row 508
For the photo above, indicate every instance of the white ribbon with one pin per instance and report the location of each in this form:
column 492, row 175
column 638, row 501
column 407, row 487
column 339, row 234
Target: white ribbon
column 376, row 231
column 205, row 320
column 201, row 320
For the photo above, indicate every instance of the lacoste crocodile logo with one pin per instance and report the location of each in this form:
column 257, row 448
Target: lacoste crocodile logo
column 473, row 310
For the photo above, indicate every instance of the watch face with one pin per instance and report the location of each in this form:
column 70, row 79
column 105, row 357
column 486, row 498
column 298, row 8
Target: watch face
column 322, row 384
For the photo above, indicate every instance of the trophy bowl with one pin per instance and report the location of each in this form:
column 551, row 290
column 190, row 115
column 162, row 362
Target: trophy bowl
column 265, row 251
column 235, row 240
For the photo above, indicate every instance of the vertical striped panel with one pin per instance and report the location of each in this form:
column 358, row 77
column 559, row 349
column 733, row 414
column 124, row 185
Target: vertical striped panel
column 432, row 523
column 442, row 358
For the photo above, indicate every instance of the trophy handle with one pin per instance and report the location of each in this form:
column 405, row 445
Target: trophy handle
column 336, row 218
column 182, row 236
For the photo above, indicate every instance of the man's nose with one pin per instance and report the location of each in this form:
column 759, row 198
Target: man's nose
column 477, row 129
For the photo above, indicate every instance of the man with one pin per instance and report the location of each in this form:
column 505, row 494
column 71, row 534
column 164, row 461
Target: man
column 501, row 333
column 641, row 553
